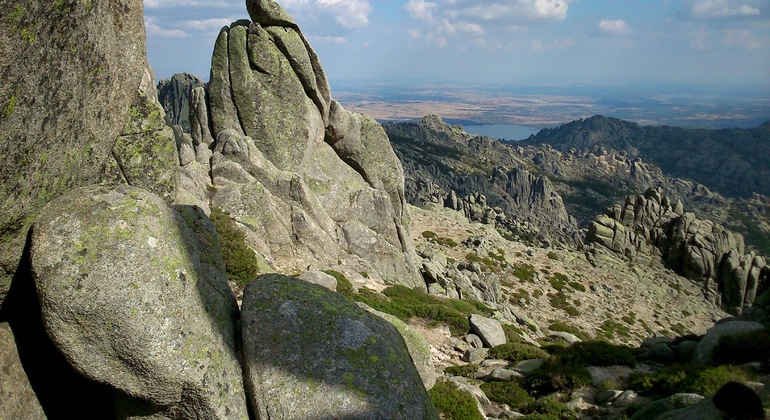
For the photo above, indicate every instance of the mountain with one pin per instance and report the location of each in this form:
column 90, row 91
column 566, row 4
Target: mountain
column 731, row 162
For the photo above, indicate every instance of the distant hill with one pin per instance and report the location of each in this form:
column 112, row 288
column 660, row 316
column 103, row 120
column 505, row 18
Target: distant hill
column 733, row 162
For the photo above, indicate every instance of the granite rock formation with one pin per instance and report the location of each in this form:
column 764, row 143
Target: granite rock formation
column 58, row 125
column 175, row 96
column 312, row 185
column 651, row 226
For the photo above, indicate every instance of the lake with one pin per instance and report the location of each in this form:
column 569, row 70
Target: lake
column 501, row 131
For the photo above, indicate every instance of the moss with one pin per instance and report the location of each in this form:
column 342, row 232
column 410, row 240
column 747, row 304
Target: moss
column 452, row 403
column 9, row 108
column 516, row 352
column 241, row 263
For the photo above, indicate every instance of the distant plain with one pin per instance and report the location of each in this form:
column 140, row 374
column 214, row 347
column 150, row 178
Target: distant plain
column 546, row 106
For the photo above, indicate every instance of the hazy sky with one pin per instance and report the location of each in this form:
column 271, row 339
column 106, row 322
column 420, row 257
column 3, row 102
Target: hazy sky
column 715, row 43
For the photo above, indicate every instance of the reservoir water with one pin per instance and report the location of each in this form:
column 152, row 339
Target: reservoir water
column 501, row 131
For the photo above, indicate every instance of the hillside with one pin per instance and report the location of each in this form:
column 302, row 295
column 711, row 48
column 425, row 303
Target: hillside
column 732, row 162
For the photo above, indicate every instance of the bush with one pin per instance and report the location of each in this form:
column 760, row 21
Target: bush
column 598, row 353
column 241, row 263
column 743, row 348
column 688, row 378
column 516, row 352
column 467, row 371
column 524, row 272
column 452, row 403
column 555, row 375
column 559, row 301
column 405, row 303
column 513, row 333
column 549, row 407
column 558, row 281
column 433, row 237
column 344, row 286
column 577, row 286
column 510, row 393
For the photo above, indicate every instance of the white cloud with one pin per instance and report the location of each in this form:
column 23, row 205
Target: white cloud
column 154, row 29
column 339, row 40
column 614, row 27
column 420, row 9
column 743, row 39
column 207, row 24
column 414, row 34
column 349, row 14
column 720, row 9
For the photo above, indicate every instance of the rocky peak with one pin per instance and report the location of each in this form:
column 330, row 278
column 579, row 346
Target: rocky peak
column 175, row 95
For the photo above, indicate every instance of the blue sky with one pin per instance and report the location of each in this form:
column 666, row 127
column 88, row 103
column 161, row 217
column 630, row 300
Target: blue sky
column 719, row 44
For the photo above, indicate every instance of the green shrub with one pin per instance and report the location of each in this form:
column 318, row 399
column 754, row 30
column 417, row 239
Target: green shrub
column 559, row 301
column 555, row 375
column 563, row 327
column 611, row 327
column 241, row 263
column 344, row 286
column 598, row 353
column 743, row 348
column 519, row 295
column 513, row 334
column 405, row 303
column 549, row 407
column 516, row 352
column 552, row 255
column 524, row 272
column 433, row 237
column 558, row 281
column 687, row 378
column 429, row 234
column 577, row 286
column 467, row 371
column 452, row 403
column 510, row 393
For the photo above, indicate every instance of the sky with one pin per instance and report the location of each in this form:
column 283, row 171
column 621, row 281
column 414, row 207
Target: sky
column 719, row 44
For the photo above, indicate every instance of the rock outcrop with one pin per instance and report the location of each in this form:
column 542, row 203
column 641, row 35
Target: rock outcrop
column 650, row 226
column 311, row 353
column 312, row 185
column 481, row 178
column 60, row 119
column 131, row 300
column 175, row 96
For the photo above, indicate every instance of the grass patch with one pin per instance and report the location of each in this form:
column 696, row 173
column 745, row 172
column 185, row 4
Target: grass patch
column 513, row 334
column 241, row 263
column 516, row 352
column 577, row 286
column 610, row 328
column 558, row 281
column 555, row 375
column 519, row 295
column 452, row 403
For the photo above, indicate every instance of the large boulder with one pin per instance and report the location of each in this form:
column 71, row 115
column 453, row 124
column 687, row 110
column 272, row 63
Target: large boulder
column 17, row 398
column 419, row 348
column 705, row 348
column 311, row 353
column 133, row 295
column 313, row 185
column 489, row 330
column 60, row 117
